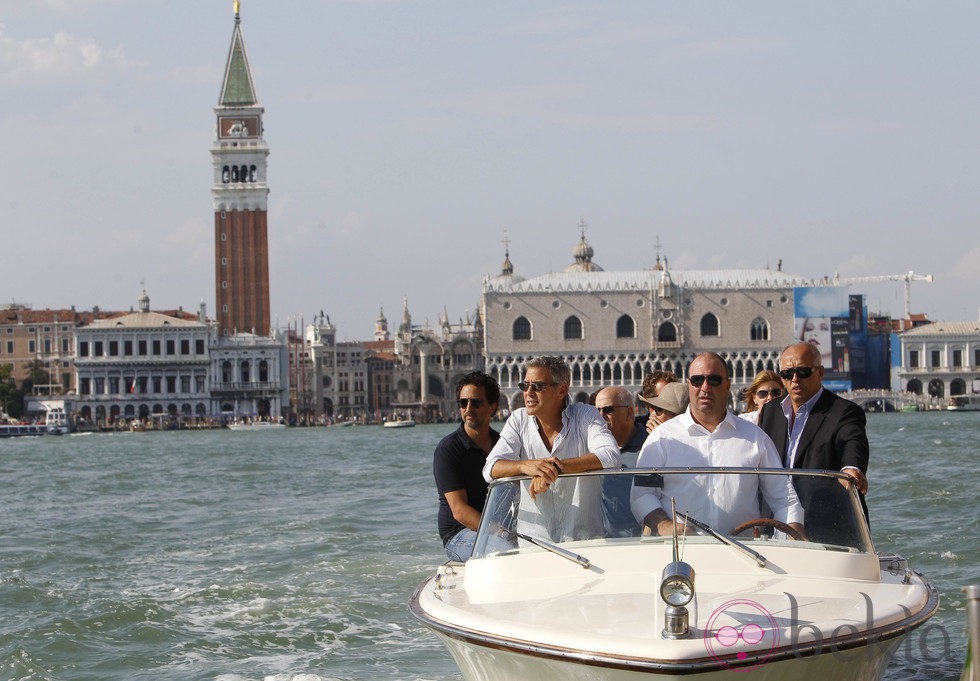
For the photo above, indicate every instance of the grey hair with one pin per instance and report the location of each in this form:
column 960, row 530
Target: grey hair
column 560, row 373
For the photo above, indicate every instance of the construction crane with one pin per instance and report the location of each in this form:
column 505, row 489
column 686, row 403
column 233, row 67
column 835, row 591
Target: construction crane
column 908, row 278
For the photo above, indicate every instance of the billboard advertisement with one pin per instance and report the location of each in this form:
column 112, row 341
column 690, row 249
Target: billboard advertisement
column 823, row 318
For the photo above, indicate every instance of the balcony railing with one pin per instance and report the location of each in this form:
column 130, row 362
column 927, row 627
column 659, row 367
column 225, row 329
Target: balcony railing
column 249, row 386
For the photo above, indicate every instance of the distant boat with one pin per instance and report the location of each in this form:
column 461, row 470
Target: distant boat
column 400, row 423
column 910, row 408
column 21, row 429
column 256, row 425
column 963, row 403
column 56, row 422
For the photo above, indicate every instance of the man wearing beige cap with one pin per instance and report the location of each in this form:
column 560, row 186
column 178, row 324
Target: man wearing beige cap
column 672, row 400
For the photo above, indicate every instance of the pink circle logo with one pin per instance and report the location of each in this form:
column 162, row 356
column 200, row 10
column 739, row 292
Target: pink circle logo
column 741, row 620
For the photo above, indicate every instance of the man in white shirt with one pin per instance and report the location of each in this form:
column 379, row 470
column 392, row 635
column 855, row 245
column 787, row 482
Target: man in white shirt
column 709, row 435
column 548, row 436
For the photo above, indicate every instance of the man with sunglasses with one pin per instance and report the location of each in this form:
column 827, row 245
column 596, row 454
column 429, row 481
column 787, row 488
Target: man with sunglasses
column 615, row 403
column 550, row 435
column 812, row 427
column 707, row 434
column 457, row 464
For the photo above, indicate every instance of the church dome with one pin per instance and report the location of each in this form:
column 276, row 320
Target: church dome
column 583, row 257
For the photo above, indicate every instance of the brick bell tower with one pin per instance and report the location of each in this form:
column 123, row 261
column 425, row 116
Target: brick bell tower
column 240, row 192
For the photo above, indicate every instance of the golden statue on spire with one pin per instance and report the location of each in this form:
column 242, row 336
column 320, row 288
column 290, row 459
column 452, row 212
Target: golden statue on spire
column 236, row 7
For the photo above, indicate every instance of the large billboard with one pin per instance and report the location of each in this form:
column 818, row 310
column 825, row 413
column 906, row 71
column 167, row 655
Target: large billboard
column 823, row 318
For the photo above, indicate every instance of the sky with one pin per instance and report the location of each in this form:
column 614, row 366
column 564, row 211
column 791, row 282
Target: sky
column 406, row 138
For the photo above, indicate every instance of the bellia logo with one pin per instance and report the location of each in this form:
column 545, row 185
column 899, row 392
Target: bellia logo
column 745, row 620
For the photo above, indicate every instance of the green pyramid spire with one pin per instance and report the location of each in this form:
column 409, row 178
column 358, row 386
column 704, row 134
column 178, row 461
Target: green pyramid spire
column 237, row 89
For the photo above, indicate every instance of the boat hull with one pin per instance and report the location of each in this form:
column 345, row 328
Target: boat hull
column 480, row 662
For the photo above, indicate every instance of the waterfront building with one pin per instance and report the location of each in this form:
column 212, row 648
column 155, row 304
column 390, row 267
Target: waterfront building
column 429, row 362
column 941, row 359
column 615, row 327
column 42, row 342
column 413, row 374
column 348, row 380
column 143, row 364
column 249, row 377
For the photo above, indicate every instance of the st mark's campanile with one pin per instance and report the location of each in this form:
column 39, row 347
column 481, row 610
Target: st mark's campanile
column 240, row 192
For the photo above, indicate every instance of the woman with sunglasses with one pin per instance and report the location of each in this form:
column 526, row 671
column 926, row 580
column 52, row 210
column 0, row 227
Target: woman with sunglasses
column 765, row 388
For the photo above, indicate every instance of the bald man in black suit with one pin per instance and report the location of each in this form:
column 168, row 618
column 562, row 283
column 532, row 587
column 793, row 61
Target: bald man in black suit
column 812, row 427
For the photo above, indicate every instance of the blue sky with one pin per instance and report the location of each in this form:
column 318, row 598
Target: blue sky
column 407, row 136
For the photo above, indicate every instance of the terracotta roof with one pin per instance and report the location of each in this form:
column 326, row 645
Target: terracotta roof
column 63, row 316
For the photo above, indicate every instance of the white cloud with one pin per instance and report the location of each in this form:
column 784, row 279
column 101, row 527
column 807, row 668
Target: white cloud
column 60, row 57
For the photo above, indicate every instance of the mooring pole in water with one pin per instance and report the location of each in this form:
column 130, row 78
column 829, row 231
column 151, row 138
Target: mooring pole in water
column 971, row 672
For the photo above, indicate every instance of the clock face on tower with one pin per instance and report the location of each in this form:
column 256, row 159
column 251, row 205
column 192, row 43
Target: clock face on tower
column 238, row 127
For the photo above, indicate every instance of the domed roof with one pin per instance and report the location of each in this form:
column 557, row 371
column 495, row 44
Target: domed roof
column 583, row 256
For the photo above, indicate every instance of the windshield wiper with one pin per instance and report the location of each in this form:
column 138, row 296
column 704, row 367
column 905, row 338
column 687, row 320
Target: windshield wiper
column 557, row 550
column 740, row 548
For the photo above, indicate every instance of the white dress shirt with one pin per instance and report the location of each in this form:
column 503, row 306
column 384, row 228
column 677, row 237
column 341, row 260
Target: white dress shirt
column 721, row 501
column 572, row 507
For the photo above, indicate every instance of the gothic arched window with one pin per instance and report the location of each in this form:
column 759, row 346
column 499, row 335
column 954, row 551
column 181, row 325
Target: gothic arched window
column 759, row 329
column 522, row 329
column 709, row 325
column 573, row 328
column 625, row 327
column 667, row 333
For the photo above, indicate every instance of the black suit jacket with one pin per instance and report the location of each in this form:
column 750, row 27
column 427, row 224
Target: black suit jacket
column 834, row 437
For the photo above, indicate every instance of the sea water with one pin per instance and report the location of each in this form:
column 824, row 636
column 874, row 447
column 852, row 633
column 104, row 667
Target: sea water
column 291, row 555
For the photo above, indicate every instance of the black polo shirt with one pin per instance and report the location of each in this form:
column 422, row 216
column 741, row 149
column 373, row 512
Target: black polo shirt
column 458, row 464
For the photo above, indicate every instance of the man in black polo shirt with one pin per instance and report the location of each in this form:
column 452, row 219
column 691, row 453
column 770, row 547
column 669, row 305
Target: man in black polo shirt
column 458, row 464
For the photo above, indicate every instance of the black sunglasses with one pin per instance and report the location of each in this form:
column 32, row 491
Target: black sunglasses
column 713, row 380
column 464, row 402
column 775, row 392
column 610, row 408
column 802, row 372
column 536, row 386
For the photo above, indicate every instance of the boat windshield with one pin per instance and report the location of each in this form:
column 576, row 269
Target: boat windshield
column 751, row 505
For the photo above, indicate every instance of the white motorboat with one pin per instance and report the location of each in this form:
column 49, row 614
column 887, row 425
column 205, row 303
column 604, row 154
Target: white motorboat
column 56, row 422
column 963, row 403
column 256, row 425
column 399, row 423
column 537, row 602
